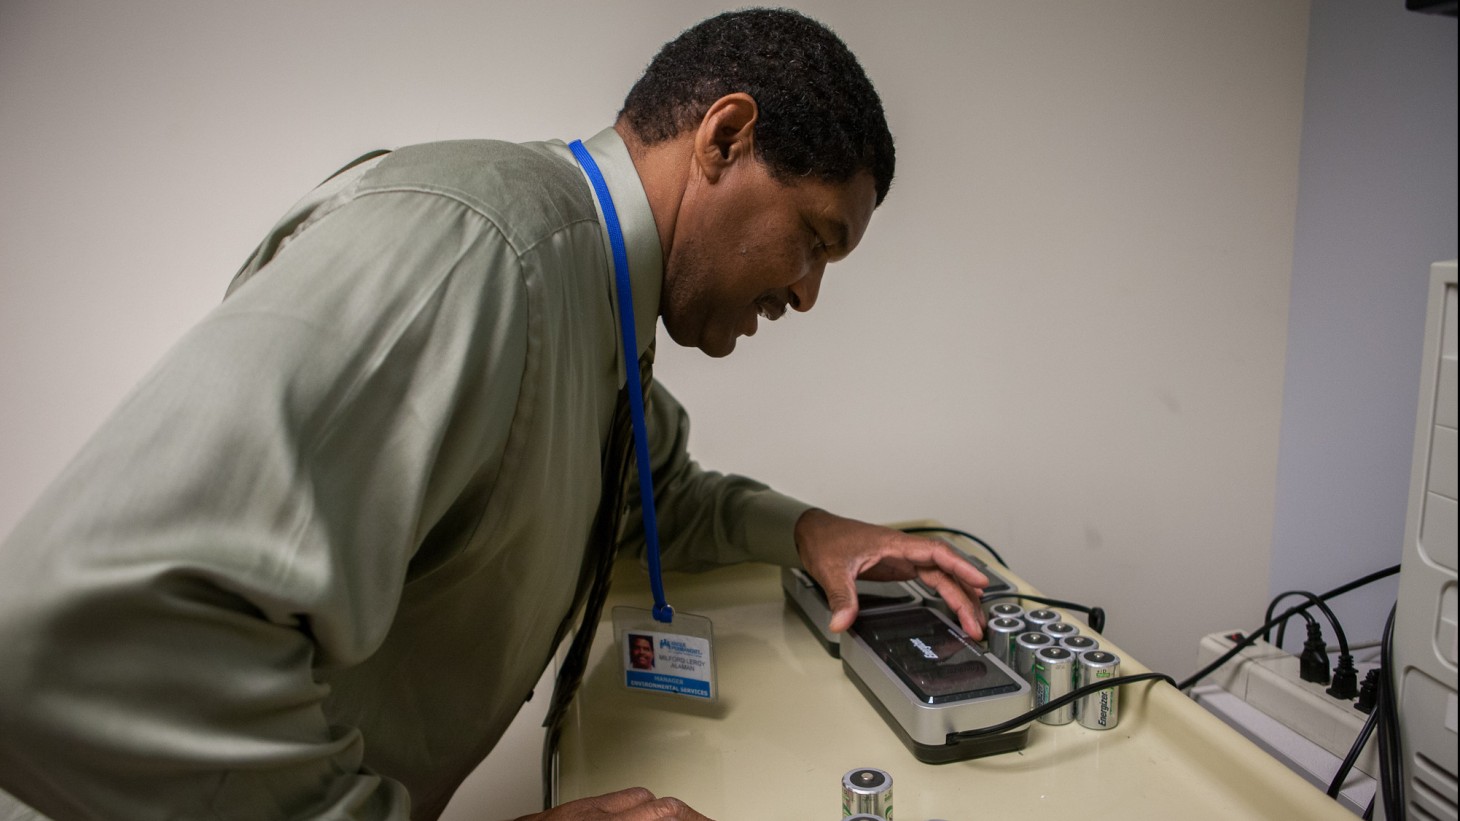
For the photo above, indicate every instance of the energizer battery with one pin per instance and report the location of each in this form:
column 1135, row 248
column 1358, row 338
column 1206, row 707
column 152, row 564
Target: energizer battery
column 1000, row 635
column 1054, row 676
column 1099, row 710
column 867, row 791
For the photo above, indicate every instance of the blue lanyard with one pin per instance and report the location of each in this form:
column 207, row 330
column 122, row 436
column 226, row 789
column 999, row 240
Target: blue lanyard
column 635, row 387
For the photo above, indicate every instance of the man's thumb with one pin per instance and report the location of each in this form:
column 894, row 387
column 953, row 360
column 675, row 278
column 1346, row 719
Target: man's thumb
column 843, row 604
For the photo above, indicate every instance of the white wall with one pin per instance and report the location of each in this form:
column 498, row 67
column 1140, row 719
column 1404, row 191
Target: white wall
column 1065, row 330
column 1377, row 205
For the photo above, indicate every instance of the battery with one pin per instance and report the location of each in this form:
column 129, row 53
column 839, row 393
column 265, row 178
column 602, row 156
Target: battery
column 999, row 635
column 1039, row 618
column 1099, row 710
column 1060, row 629
column 1054, row 676
column 867, row 791
column 1005, row 610
column 1025, row 645
column 1078, row 644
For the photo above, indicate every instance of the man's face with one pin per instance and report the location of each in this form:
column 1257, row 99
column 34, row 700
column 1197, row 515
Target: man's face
column 750, row 246
column 641, row 653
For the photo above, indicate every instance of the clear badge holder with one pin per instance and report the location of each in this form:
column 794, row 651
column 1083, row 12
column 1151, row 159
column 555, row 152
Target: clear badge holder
column 675, row 658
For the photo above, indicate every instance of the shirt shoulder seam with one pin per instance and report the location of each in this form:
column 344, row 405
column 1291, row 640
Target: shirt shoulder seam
column 495, row 219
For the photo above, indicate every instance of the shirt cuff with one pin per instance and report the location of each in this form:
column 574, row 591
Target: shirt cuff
column 771, row 528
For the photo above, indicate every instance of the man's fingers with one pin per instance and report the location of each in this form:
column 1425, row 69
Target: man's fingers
column 965, row 606
column 621, row 801
column 664, row 809
column 837, row 551
column 902, row 558
column 633, row 804
column 947, row 559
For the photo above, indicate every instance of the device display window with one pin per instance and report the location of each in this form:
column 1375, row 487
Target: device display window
column 937, row 662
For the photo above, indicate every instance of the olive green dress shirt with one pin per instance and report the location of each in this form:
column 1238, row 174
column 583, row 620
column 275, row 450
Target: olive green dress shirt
column 317, row 559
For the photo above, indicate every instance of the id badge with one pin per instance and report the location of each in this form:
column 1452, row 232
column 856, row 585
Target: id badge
column 677, row 658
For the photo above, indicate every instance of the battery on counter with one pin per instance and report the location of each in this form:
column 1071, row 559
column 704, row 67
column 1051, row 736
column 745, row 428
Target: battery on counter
column 1025, row 646
column 1060, row 629
column 1099, row 710
column 1000, row 635
column 1054, row 676
column 1079, row 644
column 1037, row 619
column 1005, row 610
column 867, row 791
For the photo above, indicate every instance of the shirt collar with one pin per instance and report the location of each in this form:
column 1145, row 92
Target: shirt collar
column 641, row 234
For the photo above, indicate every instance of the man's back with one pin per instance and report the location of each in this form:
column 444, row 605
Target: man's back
column 354, row 492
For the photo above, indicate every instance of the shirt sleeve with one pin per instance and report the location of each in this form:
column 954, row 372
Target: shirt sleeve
column 706, row 519
column 243, row 524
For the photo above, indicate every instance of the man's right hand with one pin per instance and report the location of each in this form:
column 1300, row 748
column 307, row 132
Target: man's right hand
column 633, row 804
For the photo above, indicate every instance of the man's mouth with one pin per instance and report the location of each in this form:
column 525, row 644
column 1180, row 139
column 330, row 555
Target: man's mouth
column 770, row 308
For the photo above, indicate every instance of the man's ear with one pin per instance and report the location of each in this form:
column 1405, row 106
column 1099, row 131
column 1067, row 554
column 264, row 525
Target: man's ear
column 726, row 135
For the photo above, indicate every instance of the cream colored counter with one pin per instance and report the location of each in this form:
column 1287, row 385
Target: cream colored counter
column 789, row 724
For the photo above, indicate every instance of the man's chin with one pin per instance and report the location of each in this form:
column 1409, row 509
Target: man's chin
column 718, row 349
column 711, row 344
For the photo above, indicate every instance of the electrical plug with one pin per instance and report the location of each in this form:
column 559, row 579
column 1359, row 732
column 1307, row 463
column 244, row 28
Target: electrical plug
column 1313, row 663
column 1345, row 678
column 1368, row 692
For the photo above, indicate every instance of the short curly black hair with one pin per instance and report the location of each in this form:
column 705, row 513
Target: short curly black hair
column 819, row 114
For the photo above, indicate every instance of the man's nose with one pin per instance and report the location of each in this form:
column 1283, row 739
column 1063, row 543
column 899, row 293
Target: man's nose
column 805, row 289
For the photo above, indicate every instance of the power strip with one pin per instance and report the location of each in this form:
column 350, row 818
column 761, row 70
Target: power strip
column 1261, row 695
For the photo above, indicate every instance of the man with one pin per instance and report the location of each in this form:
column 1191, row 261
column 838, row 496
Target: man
column 641, row 652
column 314, row 564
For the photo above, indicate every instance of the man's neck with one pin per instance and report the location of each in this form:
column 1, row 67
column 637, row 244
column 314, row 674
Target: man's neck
column 663, row 168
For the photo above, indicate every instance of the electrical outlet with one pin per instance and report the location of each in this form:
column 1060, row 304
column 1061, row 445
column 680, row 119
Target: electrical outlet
column 1294, row 720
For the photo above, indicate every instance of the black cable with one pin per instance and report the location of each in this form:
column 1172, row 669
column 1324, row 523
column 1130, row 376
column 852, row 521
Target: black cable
column 1360, row 582
column 1253, row 636
column 1336, row 785
column 964, row 534
column 1242, row 644
column 1391, row 752
column 1014, row 594
column 1055, row 704
column 1096, row 615
column 1386, row 761
column 1307, row 617
column 1282, row 628
column 1322, row 605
